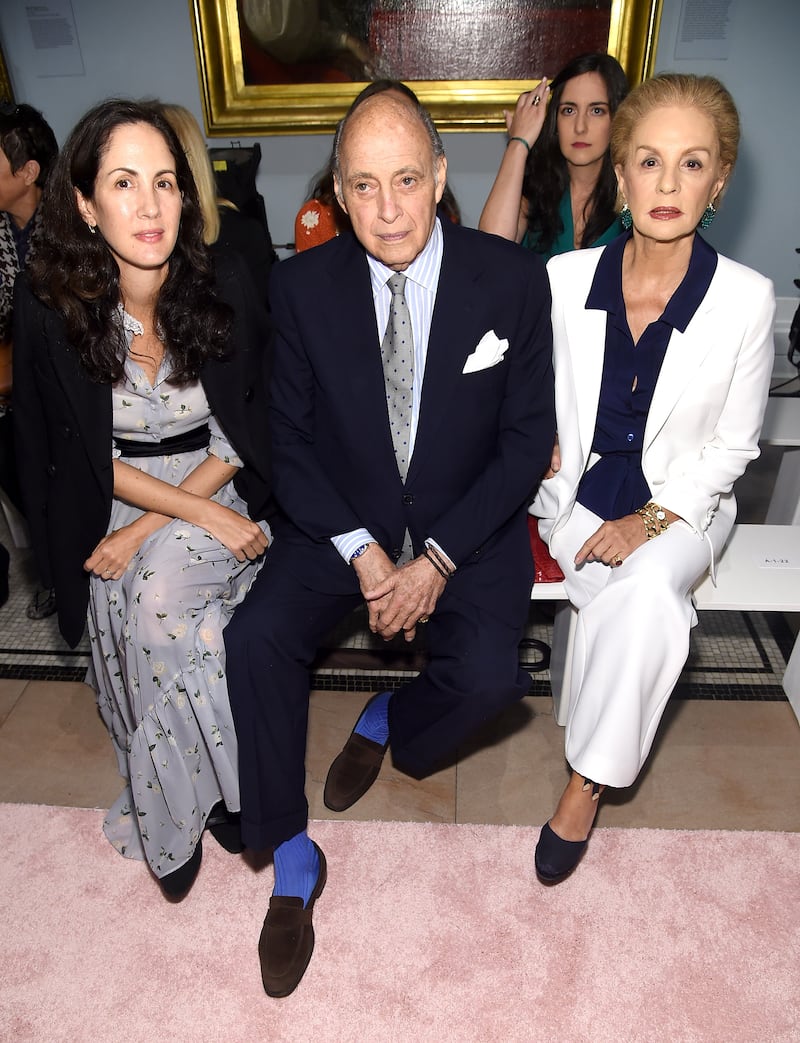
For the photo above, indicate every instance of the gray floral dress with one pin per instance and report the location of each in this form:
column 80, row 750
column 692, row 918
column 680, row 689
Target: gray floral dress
column 158, row 658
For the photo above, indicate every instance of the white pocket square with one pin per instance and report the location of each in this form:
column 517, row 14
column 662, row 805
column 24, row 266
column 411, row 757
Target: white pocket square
column 489, row 352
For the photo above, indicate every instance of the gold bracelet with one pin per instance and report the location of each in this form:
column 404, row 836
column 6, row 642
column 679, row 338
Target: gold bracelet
column 654, row 518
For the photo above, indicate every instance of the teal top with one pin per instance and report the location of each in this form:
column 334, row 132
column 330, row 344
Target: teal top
column 564, row 242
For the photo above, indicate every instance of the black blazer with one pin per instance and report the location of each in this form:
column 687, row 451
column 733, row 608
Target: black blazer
column 483, row 441
column 63, row 433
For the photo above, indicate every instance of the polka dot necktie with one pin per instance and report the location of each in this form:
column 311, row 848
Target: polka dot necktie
column 397, row 353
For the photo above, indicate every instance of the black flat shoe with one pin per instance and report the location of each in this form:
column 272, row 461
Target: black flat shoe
column 556, row 858
column 226, row 828
column 177, row 884
column 42, row 604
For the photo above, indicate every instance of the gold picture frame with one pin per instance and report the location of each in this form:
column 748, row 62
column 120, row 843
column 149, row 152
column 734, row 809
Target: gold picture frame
column 6, row 91
column 231, row 106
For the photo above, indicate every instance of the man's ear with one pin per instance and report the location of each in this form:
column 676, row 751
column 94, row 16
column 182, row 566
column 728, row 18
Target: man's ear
column 337, row 191
column 441, row 177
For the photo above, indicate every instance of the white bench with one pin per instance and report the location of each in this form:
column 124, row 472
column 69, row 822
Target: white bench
column 744, row 584
column 782, row 427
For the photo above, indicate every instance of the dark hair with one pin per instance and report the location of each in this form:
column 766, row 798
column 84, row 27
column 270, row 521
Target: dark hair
column 26, row 135
column 381, row 87
column 75, row 273
column 448, row 206
column 322, row 189
column 546, row 176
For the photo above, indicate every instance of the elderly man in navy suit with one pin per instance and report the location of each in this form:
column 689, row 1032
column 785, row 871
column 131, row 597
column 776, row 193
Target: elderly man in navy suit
column 412, row 418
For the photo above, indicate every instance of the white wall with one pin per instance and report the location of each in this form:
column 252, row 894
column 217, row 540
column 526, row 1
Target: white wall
column 759, row 223
column 146, row 49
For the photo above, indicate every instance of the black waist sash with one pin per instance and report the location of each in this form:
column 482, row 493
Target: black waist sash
column 197, row 438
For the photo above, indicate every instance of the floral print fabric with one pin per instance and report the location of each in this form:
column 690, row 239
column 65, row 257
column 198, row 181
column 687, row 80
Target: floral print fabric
column 158, row 658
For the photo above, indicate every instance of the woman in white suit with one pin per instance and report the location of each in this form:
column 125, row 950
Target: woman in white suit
column 663, row 354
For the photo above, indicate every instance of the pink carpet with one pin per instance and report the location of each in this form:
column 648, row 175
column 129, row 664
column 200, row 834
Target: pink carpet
column 424, row 933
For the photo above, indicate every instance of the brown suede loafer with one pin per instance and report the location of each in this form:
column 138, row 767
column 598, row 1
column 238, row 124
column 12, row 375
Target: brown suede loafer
column 353, row 771
column 287, row 938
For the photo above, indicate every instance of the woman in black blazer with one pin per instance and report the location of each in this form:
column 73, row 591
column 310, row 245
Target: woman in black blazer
column 140, row 376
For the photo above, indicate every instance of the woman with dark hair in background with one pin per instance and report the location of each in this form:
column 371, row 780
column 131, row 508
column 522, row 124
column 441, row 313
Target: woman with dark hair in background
column 555, row 190
column 140, row 392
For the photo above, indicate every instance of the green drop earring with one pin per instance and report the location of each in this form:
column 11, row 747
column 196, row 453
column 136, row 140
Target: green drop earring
column 708, row 216
column 626, row 217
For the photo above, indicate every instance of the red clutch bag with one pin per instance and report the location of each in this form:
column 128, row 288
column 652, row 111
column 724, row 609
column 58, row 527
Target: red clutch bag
column 546, row 568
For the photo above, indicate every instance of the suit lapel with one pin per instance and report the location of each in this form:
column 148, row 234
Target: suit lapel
column 449, row 343
column 686, row 353
column 350, row 289
column 586, row 337
column 358, row 371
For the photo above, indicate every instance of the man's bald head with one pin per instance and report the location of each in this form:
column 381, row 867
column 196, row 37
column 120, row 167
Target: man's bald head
column 397, row 90
column 389, row 178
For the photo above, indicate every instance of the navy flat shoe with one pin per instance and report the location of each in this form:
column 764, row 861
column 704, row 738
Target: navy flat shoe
column 556, row 858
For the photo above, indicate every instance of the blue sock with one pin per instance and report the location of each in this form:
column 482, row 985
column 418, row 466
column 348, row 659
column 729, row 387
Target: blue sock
column 296, row 867
column 374, row 721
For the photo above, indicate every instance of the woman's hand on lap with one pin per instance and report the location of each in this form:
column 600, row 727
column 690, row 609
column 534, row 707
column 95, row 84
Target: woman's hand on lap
column 242, row 537
column 614, row 541
column 114, row 552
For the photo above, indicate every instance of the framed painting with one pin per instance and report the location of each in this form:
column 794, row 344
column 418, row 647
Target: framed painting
column 6, row 93
column 294, row 66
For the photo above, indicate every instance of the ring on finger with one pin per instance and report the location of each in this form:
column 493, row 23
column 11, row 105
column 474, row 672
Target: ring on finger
column 537, row 99
column 617, row 562
column 423, row 619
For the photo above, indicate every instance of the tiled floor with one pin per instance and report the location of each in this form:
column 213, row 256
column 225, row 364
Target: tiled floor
column 716, row 764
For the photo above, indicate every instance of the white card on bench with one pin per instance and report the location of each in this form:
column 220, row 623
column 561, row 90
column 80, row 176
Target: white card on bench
column 778, row 561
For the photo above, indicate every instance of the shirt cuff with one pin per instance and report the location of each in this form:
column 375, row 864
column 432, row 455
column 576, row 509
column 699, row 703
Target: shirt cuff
column 349, row 542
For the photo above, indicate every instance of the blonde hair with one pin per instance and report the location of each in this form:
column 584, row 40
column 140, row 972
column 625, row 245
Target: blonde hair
column 193, row 143
column 704, row 93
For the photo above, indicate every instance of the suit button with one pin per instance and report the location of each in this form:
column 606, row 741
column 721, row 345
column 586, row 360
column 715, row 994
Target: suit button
column 408, row 499
column 67, row 432
column 51, row 470
column 248, row 395
column 396, row 551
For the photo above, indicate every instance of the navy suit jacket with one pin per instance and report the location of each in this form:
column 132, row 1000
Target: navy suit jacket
column 483, row 441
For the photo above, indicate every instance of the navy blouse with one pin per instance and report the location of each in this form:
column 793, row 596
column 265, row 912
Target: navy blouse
column 615, row 485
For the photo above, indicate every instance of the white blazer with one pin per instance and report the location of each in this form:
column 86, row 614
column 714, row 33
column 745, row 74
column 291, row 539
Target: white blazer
column 707, row 408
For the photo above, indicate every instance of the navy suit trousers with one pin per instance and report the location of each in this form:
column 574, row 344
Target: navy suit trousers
column 472, row 674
